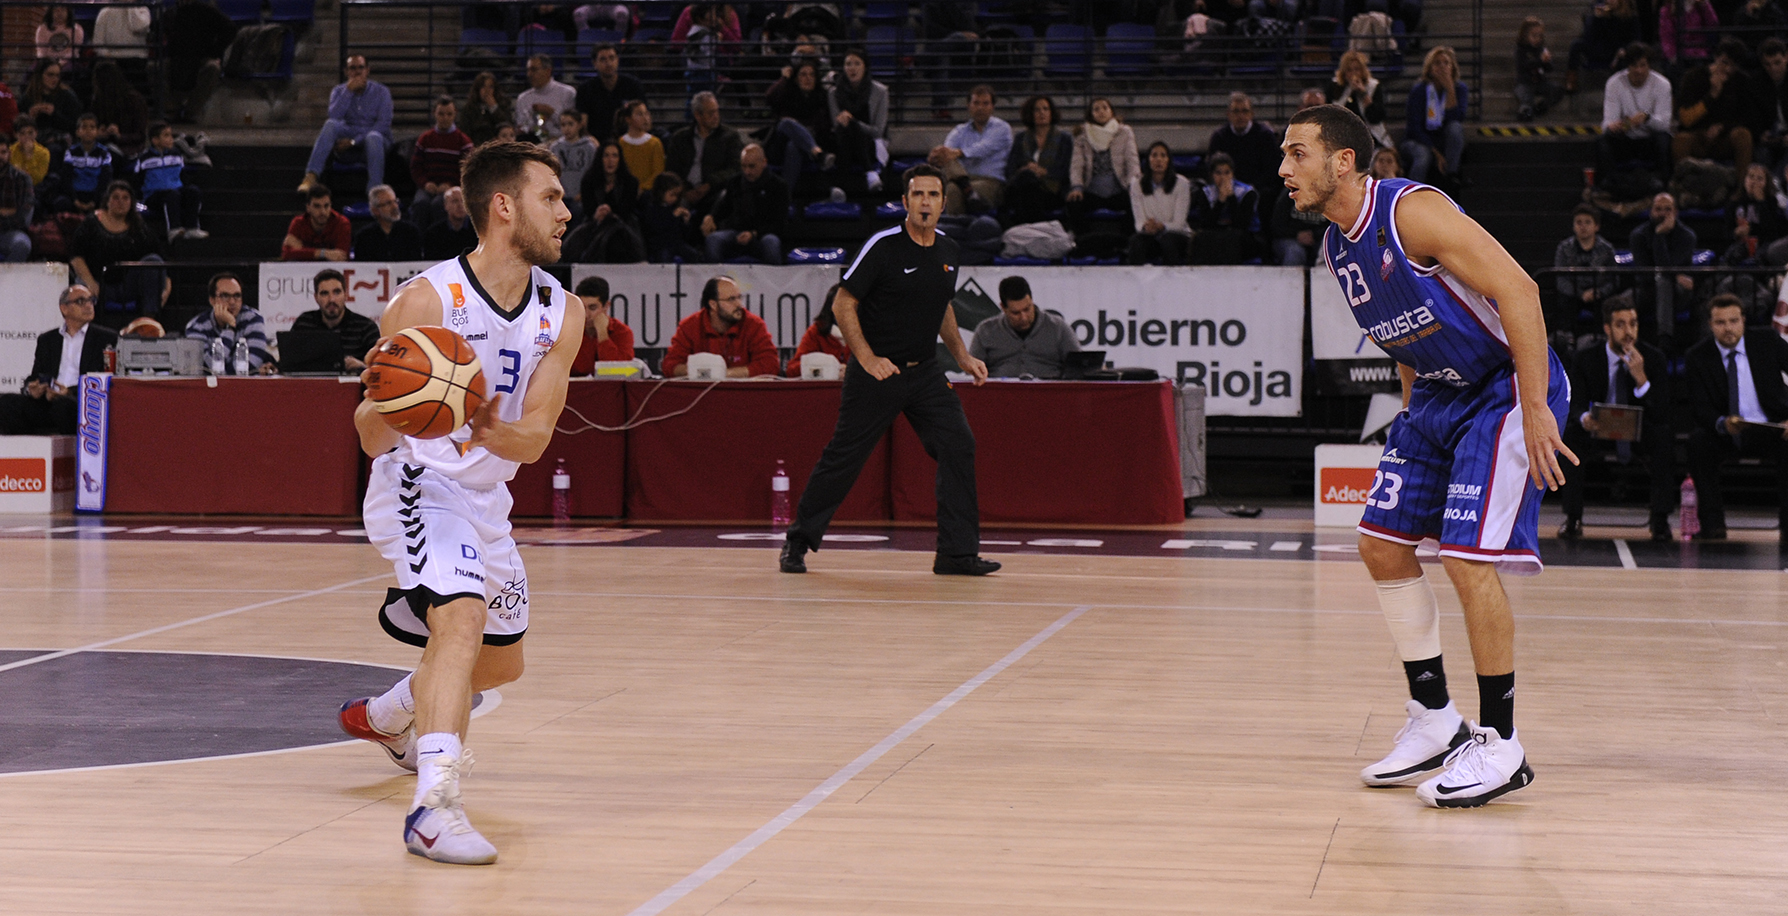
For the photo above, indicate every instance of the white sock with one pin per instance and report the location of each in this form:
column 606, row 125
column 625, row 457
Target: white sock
column 434, row 752
column 1413, row 616
column 392, row 711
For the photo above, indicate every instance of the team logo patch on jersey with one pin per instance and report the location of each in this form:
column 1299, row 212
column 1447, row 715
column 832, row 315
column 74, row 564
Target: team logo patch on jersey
column 545, row 338
column 1384, row 266
column 1381, row 236
column 458, row 318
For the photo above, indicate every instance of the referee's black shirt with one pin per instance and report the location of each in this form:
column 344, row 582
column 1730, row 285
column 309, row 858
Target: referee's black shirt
column 902, row 289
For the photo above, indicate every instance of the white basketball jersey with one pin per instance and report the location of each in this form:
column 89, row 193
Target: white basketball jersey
column 510, row 346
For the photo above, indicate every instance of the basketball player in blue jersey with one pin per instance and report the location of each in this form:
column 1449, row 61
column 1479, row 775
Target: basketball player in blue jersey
column 438, row 508
column 1467, row 460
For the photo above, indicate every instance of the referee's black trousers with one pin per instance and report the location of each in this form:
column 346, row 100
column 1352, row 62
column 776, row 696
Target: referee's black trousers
column 867, row 409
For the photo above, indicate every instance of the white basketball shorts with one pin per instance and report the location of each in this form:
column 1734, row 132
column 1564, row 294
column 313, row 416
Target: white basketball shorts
column 446, row 542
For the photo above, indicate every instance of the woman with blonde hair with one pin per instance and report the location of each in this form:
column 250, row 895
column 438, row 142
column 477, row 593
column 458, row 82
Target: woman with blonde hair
column 1354, row 89
column 1434, row 132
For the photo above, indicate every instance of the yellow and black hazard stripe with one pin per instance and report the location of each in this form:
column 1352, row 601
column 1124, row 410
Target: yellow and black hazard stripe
column 1540, row 131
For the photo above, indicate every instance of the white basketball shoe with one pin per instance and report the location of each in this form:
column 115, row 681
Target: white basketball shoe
column 438, row 829
column 1486, row 766
column 1422, row 746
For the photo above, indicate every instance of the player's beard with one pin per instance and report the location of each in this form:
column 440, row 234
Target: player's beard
column 536, row 247
column 1315, row 192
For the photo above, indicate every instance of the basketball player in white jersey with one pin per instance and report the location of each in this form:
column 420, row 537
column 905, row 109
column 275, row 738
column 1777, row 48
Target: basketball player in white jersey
column 439, row 509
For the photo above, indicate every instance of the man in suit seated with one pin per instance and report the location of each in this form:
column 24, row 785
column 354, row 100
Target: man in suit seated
column 48, row 404
column 1735, row 385
column 1620, row 371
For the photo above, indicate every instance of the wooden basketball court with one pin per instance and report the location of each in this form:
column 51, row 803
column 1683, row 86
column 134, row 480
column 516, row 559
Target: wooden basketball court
column 697, row 734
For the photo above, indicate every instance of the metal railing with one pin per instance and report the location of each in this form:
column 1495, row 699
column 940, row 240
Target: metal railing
column 19, row 53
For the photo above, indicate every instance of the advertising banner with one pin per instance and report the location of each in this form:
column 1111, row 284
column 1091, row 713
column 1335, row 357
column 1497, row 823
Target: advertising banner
column 30, row 292
column 1347, row 361
column 91, row 441
column 286, row 287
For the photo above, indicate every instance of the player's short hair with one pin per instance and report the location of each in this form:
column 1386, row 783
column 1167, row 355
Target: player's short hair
column 593, row 287
column 496, row 168
column 443, row 99
column 1588, row 210
column 711, row 289
column 327, row 274
column 1724, row 301
column 219, row 277
column 1339, row 129
column 601, row 46
column 1617, row 304
column 1013, row 289
column 318, row 190
column 922, row 170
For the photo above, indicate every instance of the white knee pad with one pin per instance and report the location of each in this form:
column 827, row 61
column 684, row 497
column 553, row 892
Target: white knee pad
column 1413, row 616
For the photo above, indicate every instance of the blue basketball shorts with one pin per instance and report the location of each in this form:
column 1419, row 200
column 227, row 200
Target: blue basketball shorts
column 1455, row 469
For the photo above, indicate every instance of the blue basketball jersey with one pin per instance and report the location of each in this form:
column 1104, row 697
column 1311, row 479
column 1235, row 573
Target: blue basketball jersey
column 1423, row 317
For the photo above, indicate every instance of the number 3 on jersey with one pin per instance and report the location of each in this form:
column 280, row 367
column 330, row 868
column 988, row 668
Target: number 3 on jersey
column 1392, row 483
column 510, row 369
column 1353, row 283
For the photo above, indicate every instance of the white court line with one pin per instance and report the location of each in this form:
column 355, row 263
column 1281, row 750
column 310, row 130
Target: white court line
column 1626, row 554
column 836, row 781
column 187, row 623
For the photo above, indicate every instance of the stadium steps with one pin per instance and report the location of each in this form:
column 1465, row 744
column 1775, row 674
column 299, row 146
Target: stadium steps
column 1523, row 192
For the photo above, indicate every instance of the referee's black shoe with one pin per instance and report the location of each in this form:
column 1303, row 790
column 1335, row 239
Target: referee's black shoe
column 970, row 565
column 794, row 550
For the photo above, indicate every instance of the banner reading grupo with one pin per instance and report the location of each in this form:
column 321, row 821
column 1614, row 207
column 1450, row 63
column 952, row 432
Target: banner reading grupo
column 287, row 287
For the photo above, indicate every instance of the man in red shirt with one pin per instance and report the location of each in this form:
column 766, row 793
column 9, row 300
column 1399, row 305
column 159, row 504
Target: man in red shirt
column 723, row 326
column 319, row 233
column 606, row 339
column 435, row 163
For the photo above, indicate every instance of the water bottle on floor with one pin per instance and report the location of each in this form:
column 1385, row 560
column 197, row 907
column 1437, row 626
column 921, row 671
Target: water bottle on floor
column 779, row 517
column 561, row 496
column 1691, row 517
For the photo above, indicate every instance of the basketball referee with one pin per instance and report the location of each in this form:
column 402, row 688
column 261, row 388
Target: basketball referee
column 893, row 305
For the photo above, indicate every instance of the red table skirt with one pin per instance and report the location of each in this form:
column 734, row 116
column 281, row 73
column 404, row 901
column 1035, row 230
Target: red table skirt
column 595, row 459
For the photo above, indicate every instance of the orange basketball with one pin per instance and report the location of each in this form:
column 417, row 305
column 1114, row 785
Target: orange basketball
column 425, row 382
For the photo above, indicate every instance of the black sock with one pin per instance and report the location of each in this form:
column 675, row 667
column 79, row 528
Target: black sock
column 1496, row 703
column 1427, row 682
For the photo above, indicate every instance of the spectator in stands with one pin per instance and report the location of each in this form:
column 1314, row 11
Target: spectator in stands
column 1686, row 30
column 1769, row 116
column 1534, row 89
column 642, row 149
column 730, row 30
column 703, row 154
column 434, row 164
column 1103, row 165
column 1386, row 164
column 122, row 112
column 1636, row 111
column 1225, row 217
column 359, row 119
column 230, row 321
column 54, row 106
column 1023, row 340
column 576, row 153
column 1608, row 27
column 454, row 233
column 114, row 234
column 173, row 203
column 1757, row 17
column 822, row 336
column 1622, row 371
column 724, row 326
column 1253, row 146
column 600, row 96
column 748, row 218
column 701, row 49
column 1296, row 234
column 389, row 237
column 1755, row 215
column 48, row 404
column 537, row 108
column 26, row 153
column 1663, row 241
column 17, row 201
column 121, row 33
column 1159, row 202
column 319, row 233
column 1039, row 165
column 859, row 108
column 84, row 170
column 59, row 37
column 606, row 339
column 1584, row 248
column 611, row 196
column 1355, row 89
column 1434, row 130
column 973, row 157
column 1713, row 107
column 9, row 110
column 1735, row 384
column 666, row 223
column 487, row 109
column 197, row 33
column 358, row 333
column 803, row 124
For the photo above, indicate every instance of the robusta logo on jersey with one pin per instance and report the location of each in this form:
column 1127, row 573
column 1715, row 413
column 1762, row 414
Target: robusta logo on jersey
column 1405, row 329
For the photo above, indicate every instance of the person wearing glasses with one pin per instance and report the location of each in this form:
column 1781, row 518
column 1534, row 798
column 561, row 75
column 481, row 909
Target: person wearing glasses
column 229, row 320
column 725, row 327
column 359, row 117
column 47, row 405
